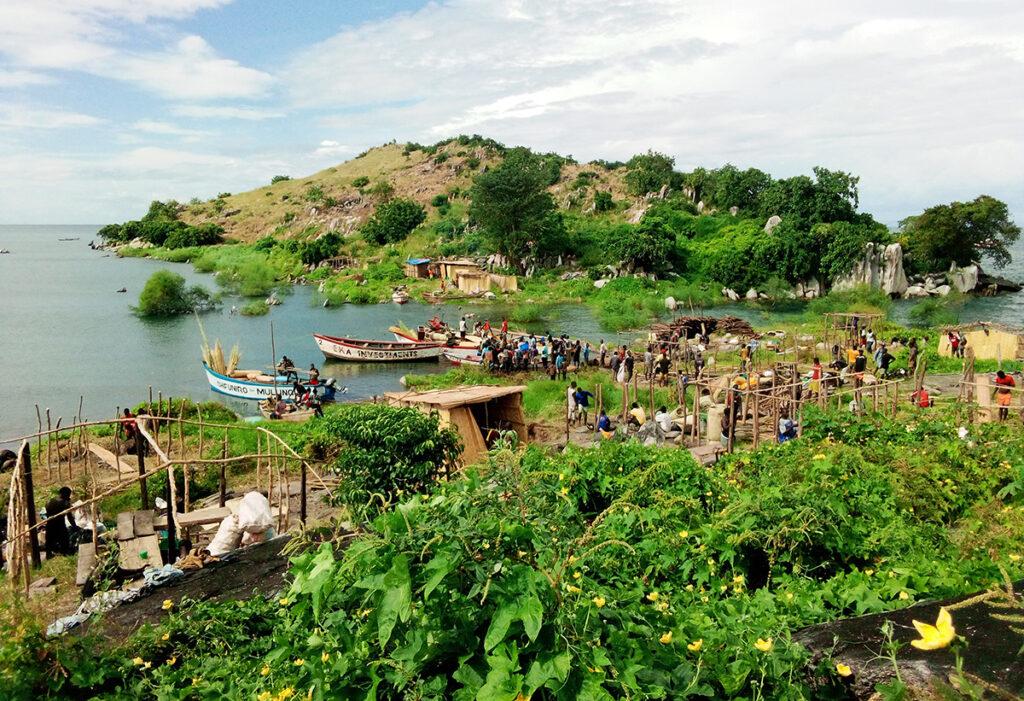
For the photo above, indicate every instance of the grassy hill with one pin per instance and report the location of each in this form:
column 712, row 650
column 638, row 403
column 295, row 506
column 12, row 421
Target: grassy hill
column 342, row 197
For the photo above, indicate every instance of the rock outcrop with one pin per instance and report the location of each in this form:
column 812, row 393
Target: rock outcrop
column 964, row 279
column 880, row 267
column 773, row 221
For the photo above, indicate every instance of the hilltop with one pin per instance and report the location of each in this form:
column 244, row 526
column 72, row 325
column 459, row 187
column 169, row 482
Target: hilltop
column 342, row 197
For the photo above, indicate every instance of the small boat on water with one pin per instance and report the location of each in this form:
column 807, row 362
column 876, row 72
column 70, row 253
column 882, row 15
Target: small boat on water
column 451, row 344
column 400, row 295
column 455, row 359
column 358, row 350
column 249, row 384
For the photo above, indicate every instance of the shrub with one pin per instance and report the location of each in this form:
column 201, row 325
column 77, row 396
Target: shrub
column 165, row 294
column 472, row 162
column 381, row 452
column 327, row 246
column 439, row 201
column 361, row 181
column 314, row 193
column 279, row 179
column 382, row 190
column 603, row 201
column 393, row 221
column 441, row 158
column 648, row 172
column 257, row 308
column 190, row 236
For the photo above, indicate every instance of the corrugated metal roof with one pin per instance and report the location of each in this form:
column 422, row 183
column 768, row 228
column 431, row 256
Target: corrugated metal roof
column 457, row 396
column 417, row 261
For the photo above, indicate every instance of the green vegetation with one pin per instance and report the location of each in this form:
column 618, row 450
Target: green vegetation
column 393, row 221
column 960, row 233
column 255, row 308
column 165, row 294
column 382, row 453
column 597, row 573
column 649, row 172
column 161, row 227
column 279, row 179
column 249, row 271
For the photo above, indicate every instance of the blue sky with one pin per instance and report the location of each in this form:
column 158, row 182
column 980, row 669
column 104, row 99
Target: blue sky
column 108, row 104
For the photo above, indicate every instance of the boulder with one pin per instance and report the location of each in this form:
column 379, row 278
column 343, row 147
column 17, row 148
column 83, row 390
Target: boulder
column 731, row 294
column 490, row 295
column 880, row 268
column 964, row 279
column 773, row 221
column 942, row 290
column 670, row 303
column 915, row 291
column 734, row 210
column 700, row 207
column 893, row 278
column 600, row 283
column 751, row 294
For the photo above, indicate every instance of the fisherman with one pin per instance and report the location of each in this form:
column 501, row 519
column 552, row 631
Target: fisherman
column 962, row 342
column 560, row 365
column 586, row 354
column 787, row 428
column 664, row 420
column 629, row 362
column 570, row 402
column 912, row 356
column 504, row 326
column 885, row 360
column 637, row 415
column 921, row 399
column 603, row 351
column 649, row 362
column 615, row 366
column 662, row 365
column 314, row 375
column 58, row 530
column 860, row 364
column 462, row 327
column 1004, row 393
column 954, row 343
column 604, row 425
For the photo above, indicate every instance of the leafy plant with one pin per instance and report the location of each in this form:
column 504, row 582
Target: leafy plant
column 393, row 221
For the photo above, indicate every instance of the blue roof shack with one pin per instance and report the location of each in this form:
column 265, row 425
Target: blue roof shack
column 417, row 267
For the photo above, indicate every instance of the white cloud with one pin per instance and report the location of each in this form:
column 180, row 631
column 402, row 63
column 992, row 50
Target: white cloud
column 87, row 35
column 26, row 117
column 152, row 126
column 917, row 97
column 22, row 78
column 331, row 149
column 251, row 114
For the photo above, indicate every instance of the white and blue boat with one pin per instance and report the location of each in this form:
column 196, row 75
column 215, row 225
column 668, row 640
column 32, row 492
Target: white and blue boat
column 244, row 384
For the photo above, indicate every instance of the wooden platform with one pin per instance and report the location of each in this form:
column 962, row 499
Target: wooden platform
column 111, row 460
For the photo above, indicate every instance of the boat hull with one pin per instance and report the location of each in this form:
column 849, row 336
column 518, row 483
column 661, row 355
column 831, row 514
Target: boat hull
column 455, row 359
column 298, row 416
column 246, row 389
column 461, row 350
column 359, row 351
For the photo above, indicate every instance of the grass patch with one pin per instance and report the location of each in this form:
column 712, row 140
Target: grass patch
column 257, row 308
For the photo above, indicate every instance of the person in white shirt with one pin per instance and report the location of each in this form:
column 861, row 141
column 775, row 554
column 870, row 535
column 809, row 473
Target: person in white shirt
column 664, row 419
column 570, row 398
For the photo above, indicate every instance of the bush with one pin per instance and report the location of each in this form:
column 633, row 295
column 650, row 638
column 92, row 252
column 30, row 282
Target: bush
column 279, row 179
column 393, row 221
column 648, row 172
column 165, row 294
column 382, row 452
column 257, row 308
column 439, row 201
column 936, row 311
column 190, row 236
column 472, row 162
column 603, row 201
column 314, row 193
column 382, row 190
column 314, row 252
column 361, row 181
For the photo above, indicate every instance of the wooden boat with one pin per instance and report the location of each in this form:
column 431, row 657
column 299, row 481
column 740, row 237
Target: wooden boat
column 400, row 296
column 455, row 359
column 357, row 350
column 458, row 347
column 297, row 416
column 248, row 384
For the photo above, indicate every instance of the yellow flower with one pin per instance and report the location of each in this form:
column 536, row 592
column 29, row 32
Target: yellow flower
column 598, row 601
column 576, row 574
column 724, row 588
column 764, row 645
column 285, row 693
column 565, row 490
column 265, row 671
column 789, row 596
column 666, row 638
column 689, row 587
column 264, row 696
column 738, row 579
column 138, row 661
column 696, row 645
column 653, row 596
column 487, row 545
column 168, row 605
column 935, row 637
column 819, row 456
column 165, row 636
column 869, row 572
column 284, row 601
column 171, row 661
column 147, row 665
column 904, row 596
column 661, row 606
column 683, row 534
column 705, row 599
column 299, row 662
column 572, row 589
column 324, row 657
column 843, row 670
column 1014, row 557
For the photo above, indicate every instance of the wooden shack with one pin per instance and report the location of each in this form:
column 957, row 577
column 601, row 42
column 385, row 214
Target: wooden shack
column 479, row 414
column 473, row 283
column 506, row 283
column 417, row 268
column 450, row 269
column 989, row 341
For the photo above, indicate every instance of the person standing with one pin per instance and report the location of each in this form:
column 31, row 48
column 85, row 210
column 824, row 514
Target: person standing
column 912, row 357
column 1004, row 394
column 629, row 363
column 58, row 536
column 603, row 350
column 816, row 377
column 649, row 362
column 615, row 366
column 570, row 403
column 586, row 354
column 462, row 327
column 582, row 398
column 560, row 364
column 504, row 326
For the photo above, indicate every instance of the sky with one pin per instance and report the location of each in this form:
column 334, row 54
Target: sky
column 106, row 105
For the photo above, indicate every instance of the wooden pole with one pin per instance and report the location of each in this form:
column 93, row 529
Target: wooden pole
column 49, row 440
column 39, row 441
column 302, row 494
column 159, row 412
column 757, row 418
column 117, row 439
column 223, row 466
column 140, row 455
column 30, row 503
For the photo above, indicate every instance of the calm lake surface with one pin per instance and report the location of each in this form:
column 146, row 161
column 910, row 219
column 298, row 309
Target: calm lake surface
column 68, row 332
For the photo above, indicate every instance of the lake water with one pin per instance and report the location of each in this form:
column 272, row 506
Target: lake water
column 67, row 332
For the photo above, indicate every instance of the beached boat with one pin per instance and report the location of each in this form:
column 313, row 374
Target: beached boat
column 400, row 296
column 357, row 350
column 455, row 359
column 297, row 416
column 248, row 384
column 458, row 347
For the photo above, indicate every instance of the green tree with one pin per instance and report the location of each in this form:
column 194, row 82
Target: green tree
column 382, row 452
column 279, row 179
column 165, row 294
column 841, row 244
column 829, row 197
column 649, row 172
column 513, row 208
column 739, row 188
column 603, row 201
column 393, row 221
column 961, row 233
column 646, row 245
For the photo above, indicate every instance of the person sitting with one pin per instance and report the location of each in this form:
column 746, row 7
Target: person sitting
column 921, row 399
column 664, row 420
column 637, row 415
column 314, row 375
column 281, row 407
column 604, row 425
column 787, row 428
column 330, row 390
column 58, row 530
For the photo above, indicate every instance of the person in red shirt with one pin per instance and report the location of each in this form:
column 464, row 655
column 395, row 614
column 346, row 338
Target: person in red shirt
column 816, row 377
column 504, row 326
column 920, row 398
column 1004, row 394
